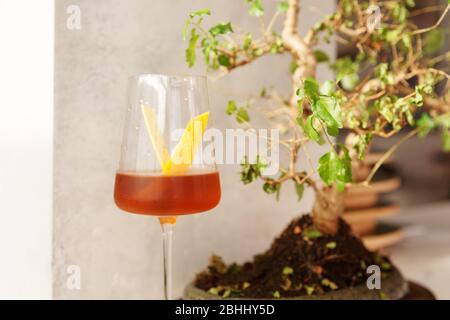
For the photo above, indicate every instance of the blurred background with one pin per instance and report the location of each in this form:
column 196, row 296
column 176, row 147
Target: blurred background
column 69, row 163
column 413, row 217
column 427, row 177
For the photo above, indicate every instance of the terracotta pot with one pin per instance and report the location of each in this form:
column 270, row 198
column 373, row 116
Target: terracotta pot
column 381, row 186
column 364, row 221
column 361, row 196
column 372, row 157
column 352, row 202
column 364, row 227
column 361, row 172
column 383, row 236
column 393, row 286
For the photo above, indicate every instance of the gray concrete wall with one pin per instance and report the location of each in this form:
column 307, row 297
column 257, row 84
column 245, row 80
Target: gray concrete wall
column 120, row 255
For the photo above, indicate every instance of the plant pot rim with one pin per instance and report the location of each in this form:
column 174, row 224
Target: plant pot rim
column 370, row 214
column 383, row 236
column 380, row 186
column 394, row 287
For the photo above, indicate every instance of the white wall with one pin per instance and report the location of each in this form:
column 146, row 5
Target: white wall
column 119, row 255
column 26, row 122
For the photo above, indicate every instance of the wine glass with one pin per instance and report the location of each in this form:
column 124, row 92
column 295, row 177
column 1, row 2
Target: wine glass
column 164, row 170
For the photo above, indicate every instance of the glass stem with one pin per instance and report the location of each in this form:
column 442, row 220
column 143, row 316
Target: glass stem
column 167, row 230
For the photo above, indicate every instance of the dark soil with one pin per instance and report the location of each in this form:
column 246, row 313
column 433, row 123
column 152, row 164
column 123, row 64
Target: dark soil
column 300, row 261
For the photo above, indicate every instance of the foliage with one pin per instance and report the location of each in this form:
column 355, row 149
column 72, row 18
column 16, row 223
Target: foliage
column 335, row 168
column 389, row 85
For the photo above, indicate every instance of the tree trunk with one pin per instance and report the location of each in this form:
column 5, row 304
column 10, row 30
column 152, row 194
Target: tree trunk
column 328, row 207
column 301, row 52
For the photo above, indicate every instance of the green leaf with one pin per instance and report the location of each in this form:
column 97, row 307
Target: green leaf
column 309, row 129
column 345, row 66
column 328, row 88
column 309, row 290
column 331, row 245
column 190, row 51
column 350, row 81
column 328, row 110
column 227, row 293
column 287, row 271
column 247, row 41
column 330, row 284
column 192, row 15
column 407, row 40
column 329, row 166
column 392, row 36
column 324, row 107
column 333, row 168
column 283, row 6
column 333, row 131
column 384, row 296
column 277, row 45
column 425, row 125
column 412, row 3
column 409, row 117
column 347, row 5
column 418, row 97
column 251, row 171
column 242, row 115
column 256, row 9
column 221, row 28
column 263, row 93
column 433, row 41
column 200, row 13
column 231, row 107
column 443, row 120
column 270, row 187
column 382, row 72
column 301, row 96
column 214, row 291
column 345, row 175
column 185, row 29
column 400, row 13
column 386, row 266
column 311, row 88
column 385, row 107
column 362, row 144
column 224, row 60
column 340, row 186
column 299, row 189
column 321, row 56
column 257, row 52
column 312, row 233
column 426, row 84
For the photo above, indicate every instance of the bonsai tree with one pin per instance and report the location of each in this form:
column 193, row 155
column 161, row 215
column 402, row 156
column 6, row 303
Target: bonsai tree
column 393, row 82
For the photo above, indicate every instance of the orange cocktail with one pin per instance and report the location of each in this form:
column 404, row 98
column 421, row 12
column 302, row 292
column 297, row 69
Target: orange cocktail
column 166, row 195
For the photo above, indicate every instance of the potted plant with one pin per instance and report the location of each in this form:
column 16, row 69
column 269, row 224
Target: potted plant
column 391, row 84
